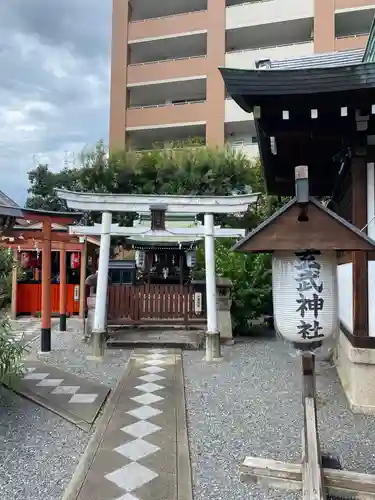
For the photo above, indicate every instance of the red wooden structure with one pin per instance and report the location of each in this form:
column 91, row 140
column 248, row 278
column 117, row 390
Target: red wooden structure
column 29, row 299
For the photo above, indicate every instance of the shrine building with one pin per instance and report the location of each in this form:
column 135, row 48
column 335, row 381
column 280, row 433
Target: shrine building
column 319, row 111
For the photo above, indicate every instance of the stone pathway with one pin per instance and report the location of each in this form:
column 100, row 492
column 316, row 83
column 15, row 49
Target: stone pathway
column 141, row 451
column 25, row 328
column 74, row 398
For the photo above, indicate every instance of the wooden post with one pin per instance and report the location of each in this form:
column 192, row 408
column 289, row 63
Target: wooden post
column 360, row 260
column 13, row 306
column 82, row 279
column 63, row 287
column 45, row 344
column 312, row 472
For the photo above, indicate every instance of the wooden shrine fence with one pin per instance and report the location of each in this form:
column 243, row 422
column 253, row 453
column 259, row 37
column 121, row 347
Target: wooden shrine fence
column 135, row 304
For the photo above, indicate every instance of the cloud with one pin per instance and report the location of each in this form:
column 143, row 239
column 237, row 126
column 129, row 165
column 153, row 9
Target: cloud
column 54, row 84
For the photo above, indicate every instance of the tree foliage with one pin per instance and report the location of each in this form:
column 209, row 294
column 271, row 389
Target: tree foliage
column 181, row 170
column 11, row 351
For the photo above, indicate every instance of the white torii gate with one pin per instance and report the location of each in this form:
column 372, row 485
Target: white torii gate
column 208, row 205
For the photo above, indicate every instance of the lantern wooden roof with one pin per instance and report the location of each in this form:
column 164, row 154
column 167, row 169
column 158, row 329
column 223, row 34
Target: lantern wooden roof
column 323, row 230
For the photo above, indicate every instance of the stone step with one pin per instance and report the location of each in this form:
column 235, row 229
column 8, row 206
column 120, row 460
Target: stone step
column 167, row 338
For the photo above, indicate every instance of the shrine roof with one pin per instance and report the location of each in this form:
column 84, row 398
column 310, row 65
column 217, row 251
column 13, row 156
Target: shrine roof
column 150, row 240
column 324, row 60
column 251, row 88
column 8, row 206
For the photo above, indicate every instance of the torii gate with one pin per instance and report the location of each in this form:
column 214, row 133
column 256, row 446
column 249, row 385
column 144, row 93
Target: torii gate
column 208, row 205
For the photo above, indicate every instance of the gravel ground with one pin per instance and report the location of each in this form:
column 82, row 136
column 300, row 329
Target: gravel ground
column 70, row 353
column 39, row 450
column 250, row 404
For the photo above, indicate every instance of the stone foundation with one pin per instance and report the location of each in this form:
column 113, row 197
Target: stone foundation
column 356, row 369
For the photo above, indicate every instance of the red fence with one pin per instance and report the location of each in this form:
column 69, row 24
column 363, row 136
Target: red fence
column 29, row 298
column 151, row 303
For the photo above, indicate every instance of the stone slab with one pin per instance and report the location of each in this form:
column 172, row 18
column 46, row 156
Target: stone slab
column 74, row 398
column 141, row 451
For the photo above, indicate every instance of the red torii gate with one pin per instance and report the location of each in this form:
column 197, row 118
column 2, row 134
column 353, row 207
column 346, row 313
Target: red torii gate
column 9, row 213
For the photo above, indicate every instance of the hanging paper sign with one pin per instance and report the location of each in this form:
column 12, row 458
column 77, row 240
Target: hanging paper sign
column 305, row 295
column 140, row 258
column 198, row 303
column 191, row 258
column 74, row 260
column 25, row 260
column 76, row 293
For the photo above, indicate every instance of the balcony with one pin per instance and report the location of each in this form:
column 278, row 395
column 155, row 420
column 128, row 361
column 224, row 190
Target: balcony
column 160, row 94
column 172, row 69
column 167, row 115
column 242, row 137
column 352, row 4
column 176, row 47
column 246, row 59
column 269, row 35
column 233, row 113
column 164, row 137
column 354, row 22
column 266, row 12
column 144, row 9
column 167, row 26
column 351, row 42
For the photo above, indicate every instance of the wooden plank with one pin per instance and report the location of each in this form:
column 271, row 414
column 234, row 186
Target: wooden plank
column 312, row 483
column 312, row 475
column 288, row 476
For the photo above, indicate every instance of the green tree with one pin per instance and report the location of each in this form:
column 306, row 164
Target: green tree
column 180, row 170
column 11, row 351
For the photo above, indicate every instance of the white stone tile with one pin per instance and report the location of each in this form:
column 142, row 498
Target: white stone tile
column 135, row 450
column 151, row 377
column 144, row 412
column 147, row 399
column 153, row 369
column 154, row 362
column 66, row 389
column 141, row 429
column 50, row 382
column 157, row 355
column 149, row 387
column 131, row 476
column 83, row 398
column 128, row 496
column 36, row 376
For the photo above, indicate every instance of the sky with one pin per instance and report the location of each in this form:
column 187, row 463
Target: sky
column 54, row 84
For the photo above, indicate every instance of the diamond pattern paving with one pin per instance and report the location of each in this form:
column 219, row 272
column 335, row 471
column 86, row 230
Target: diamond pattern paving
column 75, row 398
column 140, row 439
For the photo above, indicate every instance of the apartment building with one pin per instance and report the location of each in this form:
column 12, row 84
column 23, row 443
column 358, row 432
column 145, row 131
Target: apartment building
column 165, row 83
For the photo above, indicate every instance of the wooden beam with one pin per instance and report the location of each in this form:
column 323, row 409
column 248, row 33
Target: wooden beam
column 288, row 476
column 360, row 259
column 13, row 307
column 38, row 236
column 82, row 280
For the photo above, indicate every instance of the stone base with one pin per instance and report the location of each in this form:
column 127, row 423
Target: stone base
column 224, row 323
column 356, row 369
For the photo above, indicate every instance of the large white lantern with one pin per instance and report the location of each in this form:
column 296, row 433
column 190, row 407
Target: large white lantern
column 305, row 295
